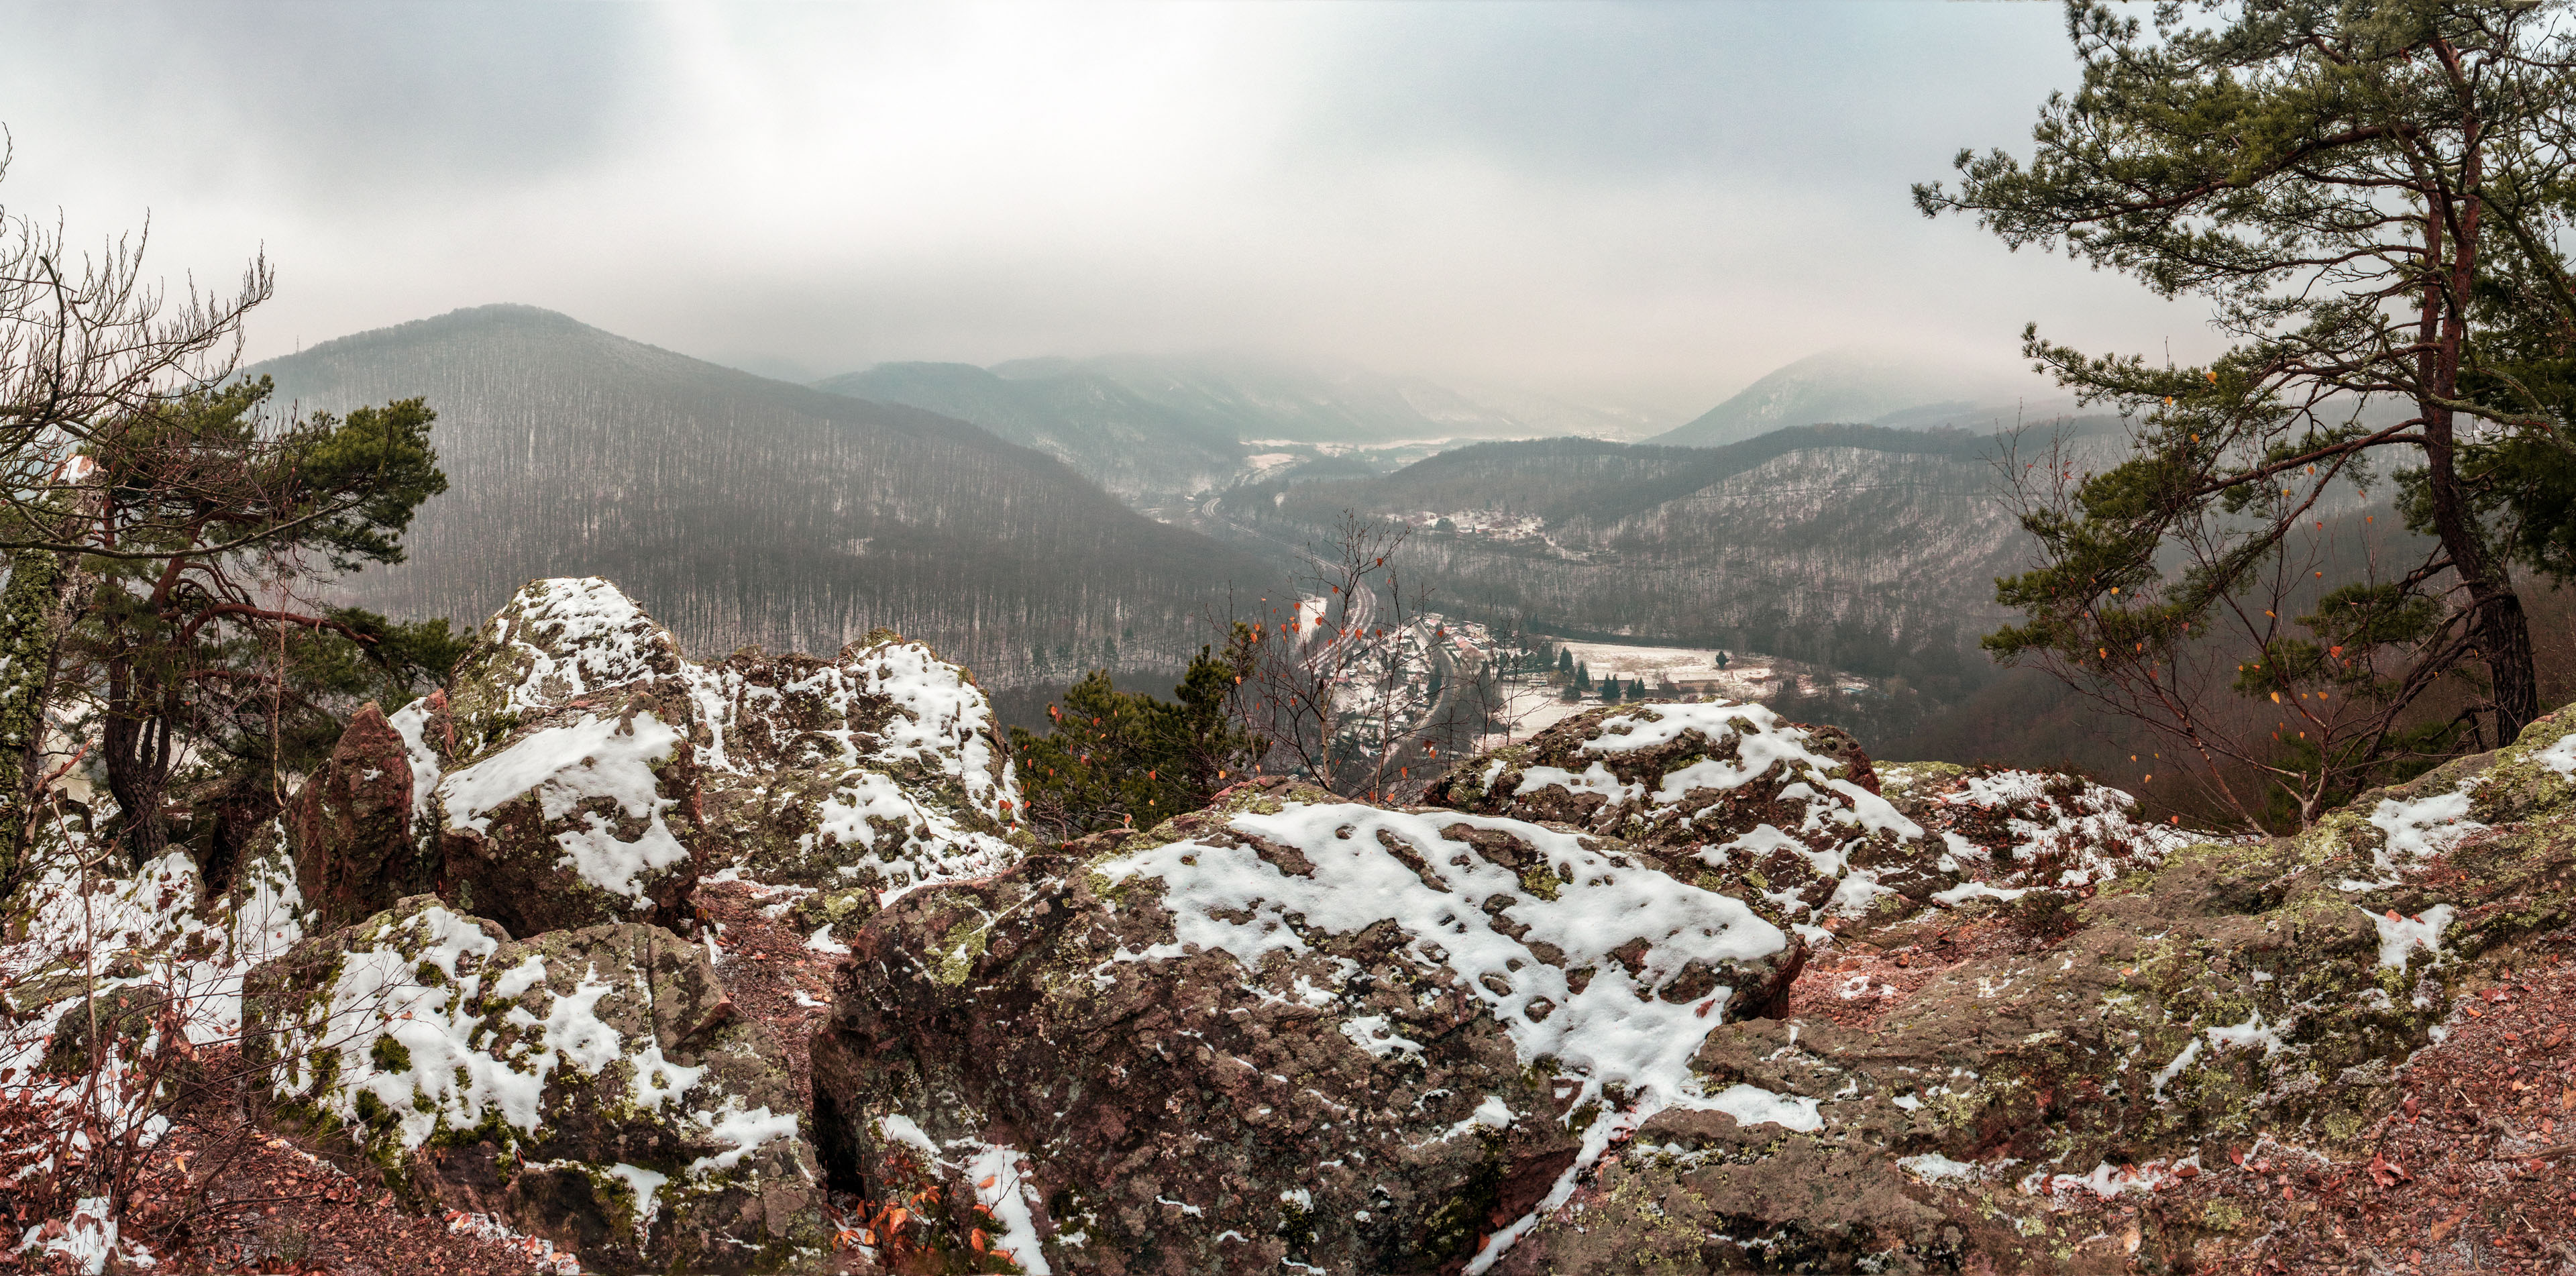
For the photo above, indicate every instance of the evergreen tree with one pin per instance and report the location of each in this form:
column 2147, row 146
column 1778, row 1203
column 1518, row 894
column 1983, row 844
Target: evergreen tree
column 1565, row 660
column 1114, row 757
column 2366, row 192
column 209, row 521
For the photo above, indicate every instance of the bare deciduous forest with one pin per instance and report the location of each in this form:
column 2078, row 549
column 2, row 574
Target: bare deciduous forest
column 744, row 510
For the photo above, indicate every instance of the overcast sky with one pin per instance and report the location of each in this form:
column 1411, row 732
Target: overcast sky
column 1648, row 204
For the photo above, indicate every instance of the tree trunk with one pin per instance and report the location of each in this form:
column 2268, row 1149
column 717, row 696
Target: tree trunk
column 2497, row 626
column 137, row 745
column 44, row 594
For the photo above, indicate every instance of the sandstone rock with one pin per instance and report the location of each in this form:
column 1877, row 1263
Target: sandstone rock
column 580, row 770
column 350, row 826
column 1731, row 796
column 1798, row 822
column 2021, row 1111
column 2004, row 831
column 1285, row 1029
column 592, row 1086
column 878, row 771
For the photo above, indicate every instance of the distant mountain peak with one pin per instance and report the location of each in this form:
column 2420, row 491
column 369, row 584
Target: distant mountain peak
column 1857, row 385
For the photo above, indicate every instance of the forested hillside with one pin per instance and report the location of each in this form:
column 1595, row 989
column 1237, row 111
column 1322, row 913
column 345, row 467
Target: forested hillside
column 744, row 510
column 1128, row 444
column 1863, row 548
column 1154, row 427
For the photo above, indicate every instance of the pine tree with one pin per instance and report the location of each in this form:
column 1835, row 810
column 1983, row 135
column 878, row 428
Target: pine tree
column 1116, row 757
column 210, row 521
column 2365, row 193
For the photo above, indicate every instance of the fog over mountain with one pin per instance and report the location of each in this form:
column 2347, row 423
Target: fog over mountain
column 1148, row 425
column 744, row 510
column 1857, row 385
column 1860, row 547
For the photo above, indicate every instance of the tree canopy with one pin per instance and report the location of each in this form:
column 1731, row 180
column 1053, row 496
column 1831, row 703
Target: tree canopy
column 2368, row 194
column 193, row 639
column 1115, row 757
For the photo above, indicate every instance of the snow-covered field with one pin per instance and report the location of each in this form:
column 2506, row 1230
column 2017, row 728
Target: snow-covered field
column 1747, row 675
column 1535, row 704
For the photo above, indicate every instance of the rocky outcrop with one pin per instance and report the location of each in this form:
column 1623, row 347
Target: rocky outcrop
column 594, row 1087
column 1285, row 1029
column 565, row 777
column 2008, row 831
column 1676, row 987
column 1292, row 1030
column 1797, row 820
column 350, row 827
column 2028, row 1110
column 580, row 770
column 1785, row 816
column 878, row 771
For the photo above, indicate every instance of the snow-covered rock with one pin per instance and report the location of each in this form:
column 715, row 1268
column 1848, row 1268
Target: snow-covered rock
column 1728, row 795
column 1287, row 1029
column 2002, row 830
column 595, row 1087
column 579, row 769
column 1799, row 822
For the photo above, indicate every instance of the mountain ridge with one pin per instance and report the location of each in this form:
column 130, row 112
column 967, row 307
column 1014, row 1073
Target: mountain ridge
column 1860, row 385
column 751, row 511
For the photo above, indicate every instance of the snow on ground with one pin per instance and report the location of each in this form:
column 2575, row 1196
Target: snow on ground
column 1747, row 675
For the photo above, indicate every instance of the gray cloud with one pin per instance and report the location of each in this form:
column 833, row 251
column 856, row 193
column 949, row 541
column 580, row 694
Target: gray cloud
column 1654, row 203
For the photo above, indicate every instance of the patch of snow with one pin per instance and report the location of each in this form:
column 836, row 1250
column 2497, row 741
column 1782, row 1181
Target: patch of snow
column 1008, row 1197
column 1753, row 1105
column 1965, row 891
column 408, row 722
column 1492, row 1114
column 87, row 1237
column 2166, row 1074
column 1762, row 839
column 1373, row 1034
column 1932, row 1167
column 645, row 1184
column 566, row 767
column 1594, row 779
column 2399, row 937
column 746, row 1131
column 2421, row 829
column 2252, row 1032
column 902, row 1129
column 2560, row 757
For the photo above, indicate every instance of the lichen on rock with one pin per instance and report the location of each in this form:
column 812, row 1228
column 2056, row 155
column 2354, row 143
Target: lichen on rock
column 1290, row 1028
column 532, row 1080
column 579, row 769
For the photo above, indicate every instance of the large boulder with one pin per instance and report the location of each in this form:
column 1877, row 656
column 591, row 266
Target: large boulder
column 2034, row 1110
column 350, row 826
column 2003, row 832
column 579, row 769
column 1732, row 796
column 1798, row 821
column 877, row 771
column 1287, row 1029
column 566, row 793
column 595, row 1087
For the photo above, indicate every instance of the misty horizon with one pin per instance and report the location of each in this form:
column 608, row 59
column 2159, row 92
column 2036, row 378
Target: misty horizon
column 1639, row 208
